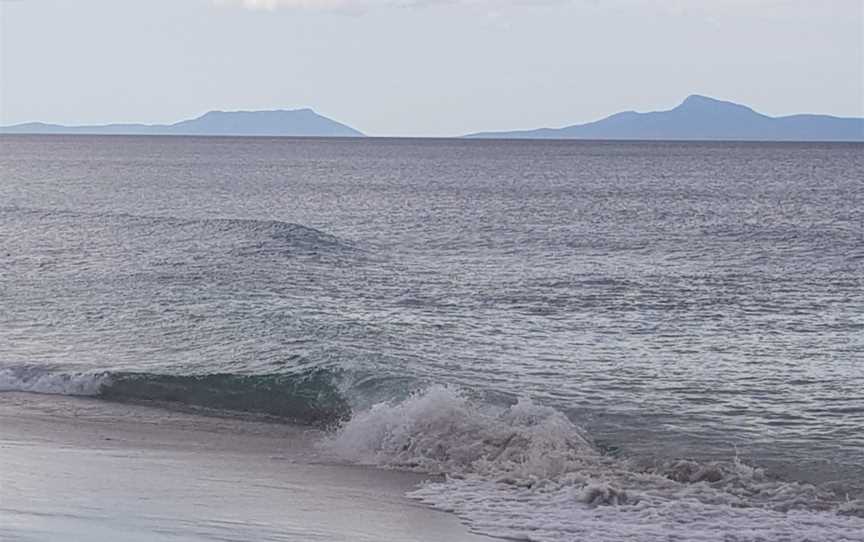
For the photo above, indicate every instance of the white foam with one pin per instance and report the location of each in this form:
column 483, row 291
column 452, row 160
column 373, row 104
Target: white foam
column 527, row 472
column 37, row 380
column 563, row 512
column 440, row 431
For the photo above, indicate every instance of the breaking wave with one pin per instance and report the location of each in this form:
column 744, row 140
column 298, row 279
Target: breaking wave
column 521, row 471
column 527, row 472
column 309, row 398
column 40, row 380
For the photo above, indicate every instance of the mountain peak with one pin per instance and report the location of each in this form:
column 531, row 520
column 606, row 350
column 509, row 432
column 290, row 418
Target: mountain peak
column 258, row 112
column 279, row 122
column 698, row 103
column 700, row 99
column 702, row 118
column 285, row 122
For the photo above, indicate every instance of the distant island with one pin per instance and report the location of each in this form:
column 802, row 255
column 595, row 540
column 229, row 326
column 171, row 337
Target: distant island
column 697, row 118
column 701, row 118
column 297, row 122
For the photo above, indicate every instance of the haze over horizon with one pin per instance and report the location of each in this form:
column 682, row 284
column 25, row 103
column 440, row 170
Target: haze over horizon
column 424, row 67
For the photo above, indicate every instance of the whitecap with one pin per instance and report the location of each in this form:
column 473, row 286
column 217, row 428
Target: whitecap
column 528, row 472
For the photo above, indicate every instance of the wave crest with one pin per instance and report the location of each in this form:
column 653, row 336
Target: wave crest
column 440, row 431
column 239, row 237
column 310, row 398
column 528, row 472
column 39, row 380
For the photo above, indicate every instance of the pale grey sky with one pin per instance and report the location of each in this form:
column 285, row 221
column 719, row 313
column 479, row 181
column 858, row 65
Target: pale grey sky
column 424, row 67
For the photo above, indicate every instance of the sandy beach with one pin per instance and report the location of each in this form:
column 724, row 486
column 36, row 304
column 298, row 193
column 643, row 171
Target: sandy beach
column 83, row 469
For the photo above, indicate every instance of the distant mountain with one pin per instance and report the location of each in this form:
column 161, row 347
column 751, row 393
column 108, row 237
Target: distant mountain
column 702, row 118
column 298, row 122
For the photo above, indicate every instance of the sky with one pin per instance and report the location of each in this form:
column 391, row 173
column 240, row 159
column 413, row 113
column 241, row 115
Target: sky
column 424, row 67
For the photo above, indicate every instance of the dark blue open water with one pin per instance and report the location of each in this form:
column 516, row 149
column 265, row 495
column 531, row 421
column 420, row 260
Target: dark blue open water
column 694, row 310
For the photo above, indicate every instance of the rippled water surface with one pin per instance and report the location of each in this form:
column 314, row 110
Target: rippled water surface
column 676, row 299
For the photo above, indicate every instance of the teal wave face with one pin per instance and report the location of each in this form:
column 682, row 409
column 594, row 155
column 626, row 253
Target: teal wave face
column 310, row 399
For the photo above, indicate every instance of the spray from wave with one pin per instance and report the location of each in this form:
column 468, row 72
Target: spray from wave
column 527, row 472
column 523, row 471
column 441, row 432
column 40, row 380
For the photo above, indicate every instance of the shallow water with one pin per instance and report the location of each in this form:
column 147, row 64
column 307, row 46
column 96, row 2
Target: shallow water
column 673, row 300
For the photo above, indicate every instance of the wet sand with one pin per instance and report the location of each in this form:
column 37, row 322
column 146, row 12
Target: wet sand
column 82, row 469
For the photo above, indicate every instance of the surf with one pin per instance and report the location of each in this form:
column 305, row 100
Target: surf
column 514, row 469
column 526, row 471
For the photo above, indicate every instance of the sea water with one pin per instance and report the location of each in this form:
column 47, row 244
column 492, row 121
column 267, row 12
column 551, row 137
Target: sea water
column 583, row 340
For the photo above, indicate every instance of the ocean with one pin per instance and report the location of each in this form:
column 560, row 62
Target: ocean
column 558, row 340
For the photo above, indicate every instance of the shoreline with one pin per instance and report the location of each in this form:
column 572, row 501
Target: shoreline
column 96, row 470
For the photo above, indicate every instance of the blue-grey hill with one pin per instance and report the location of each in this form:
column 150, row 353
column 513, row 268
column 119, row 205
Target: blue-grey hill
column 296, row 123
column 701, row 118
